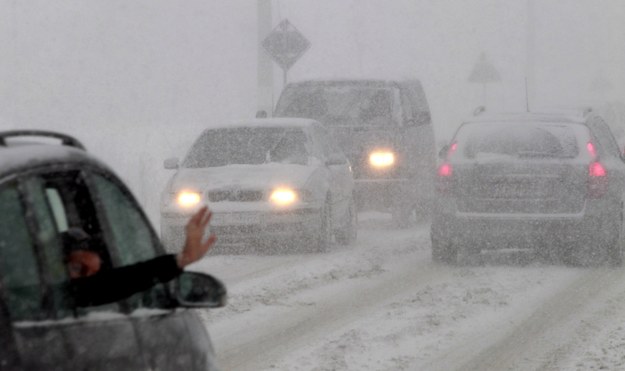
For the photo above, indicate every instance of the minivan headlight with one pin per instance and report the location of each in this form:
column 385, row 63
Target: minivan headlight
column 382, row 159
column 188, row 199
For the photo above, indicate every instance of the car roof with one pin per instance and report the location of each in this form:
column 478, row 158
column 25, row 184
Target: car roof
column 25, row 155
column 543, row 116
column 269, row 123
column 358, row 82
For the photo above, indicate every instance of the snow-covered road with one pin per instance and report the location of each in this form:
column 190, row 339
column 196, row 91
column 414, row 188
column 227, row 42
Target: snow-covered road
column 383, row 305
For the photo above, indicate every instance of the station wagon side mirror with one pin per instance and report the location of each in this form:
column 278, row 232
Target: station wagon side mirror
column 335, row 159
column 171, row 163
column 198, row 290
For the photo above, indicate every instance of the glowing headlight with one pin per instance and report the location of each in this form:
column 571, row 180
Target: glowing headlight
column 381, row 159
column 283, row 196
column 188, row 199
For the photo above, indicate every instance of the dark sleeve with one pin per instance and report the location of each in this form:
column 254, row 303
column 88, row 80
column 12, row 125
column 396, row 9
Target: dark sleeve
column 115, row 284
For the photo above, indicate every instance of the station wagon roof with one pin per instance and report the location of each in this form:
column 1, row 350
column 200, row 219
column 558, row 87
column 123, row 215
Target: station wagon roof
column 23, row 157
column 528, row 116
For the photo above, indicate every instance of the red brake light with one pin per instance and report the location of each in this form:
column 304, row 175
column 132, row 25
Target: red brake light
column 452, row 148
column 595, row 169
column 597, row 180
column 445, row 170
column 591, row 149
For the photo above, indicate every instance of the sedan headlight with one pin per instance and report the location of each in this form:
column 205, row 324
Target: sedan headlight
column 283, row 196
column 382, row 159
column 188, row 199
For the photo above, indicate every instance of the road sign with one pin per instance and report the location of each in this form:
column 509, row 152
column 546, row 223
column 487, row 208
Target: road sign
column 285, row 44
column 484, row 72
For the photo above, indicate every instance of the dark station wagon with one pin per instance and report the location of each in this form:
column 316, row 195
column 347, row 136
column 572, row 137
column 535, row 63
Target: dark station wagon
column 45, row 188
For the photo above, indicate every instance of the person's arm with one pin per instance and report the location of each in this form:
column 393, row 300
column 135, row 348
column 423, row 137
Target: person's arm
column 119, row 283
column 112, row 285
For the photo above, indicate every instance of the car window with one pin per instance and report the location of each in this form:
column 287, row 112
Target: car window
column 517, row 139
column 19, row 270
column 131, row 235
column 605, row 138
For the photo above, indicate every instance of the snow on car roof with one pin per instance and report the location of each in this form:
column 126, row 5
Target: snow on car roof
column 269, row 122
column 529, row 116
column 31, row 155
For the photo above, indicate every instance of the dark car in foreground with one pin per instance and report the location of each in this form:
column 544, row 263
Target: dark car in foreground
column 384, row 127
column 49, row 183
column 549, row 182
column 272, row 183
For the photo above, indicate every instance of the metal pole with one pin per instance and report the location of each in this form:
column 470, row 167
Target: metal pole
column 530, row 50
column 265, row 65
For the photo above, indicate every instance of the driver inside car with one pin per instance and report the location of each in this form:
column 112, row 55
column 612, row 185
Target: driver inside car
column 90, row 285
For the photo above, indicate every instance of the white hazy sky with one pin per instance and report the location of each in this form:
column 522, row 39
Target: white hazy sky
column 114, row 71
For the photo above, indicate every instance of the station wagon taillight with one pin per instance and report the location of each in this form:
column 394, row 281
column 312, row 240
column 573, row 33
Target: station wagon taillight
column 444, row 181
column 597, row 180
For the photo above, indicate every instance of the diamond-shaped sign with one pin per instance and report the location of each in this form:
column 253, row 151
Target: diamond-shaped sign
column 285, row 44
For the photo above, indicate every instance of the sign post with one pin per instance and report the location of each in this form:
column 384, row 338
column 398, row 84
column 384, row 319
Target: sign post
column 484, row 72
column 286, row 45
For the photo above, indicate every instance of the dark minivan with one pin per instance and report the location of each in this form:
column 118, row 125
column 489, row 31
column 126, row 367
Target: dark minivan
column 47, row 187
column 384, row 127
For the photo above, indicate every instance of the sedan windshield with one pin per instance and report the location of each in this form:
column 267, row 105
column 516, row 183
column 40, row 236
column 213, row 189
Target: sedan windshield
column 518, row 139
column 221, row 147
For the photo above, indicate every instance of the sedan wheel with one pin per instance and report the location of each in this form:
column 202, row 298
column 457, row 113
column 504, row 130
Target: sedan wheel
column 349, row 232
column 324, row 236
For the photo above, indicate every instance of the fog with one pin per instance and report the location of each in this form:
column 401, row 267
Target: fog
column 138, row 81
column 144, row 77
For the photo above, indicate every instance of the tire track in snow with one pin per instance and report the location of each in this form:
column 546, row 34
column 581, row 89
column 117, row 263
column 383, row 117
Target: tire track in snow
column 539, row 334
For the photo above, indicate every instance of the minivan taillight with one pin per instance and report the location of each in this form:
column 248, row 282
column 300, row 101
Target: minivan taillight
column 444, row 181
column 597, row 180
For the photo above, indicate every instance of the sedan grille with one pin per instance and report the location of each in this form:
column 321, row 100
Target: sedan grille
column 235, row 196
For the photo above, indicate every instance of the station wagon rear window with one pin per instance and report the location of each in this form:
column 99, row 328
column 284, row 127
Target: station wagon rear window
column 522, row 139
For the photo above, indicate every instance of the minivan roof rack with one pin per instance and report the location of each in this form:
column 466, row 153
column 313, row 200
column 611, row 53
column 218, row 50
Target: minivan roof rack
column 66, row 140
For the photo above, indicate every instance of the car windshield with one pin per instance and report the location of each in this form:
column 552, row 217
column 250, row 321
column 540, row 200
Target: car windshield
column 248, row 146
column 338, row 104
column 523, row 139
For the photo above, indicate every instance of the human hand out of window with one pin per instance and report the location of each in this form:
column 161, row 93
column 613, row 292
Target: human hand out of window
column 195, row 248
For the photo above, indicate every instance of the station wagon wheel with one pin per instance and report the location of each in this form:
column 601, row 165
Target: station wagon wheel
column 615, row 251
column 348, row 234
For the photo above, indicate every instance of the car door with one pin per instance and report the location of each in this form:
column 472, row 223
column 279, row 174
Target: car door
column 50, row 333
column 170, row 340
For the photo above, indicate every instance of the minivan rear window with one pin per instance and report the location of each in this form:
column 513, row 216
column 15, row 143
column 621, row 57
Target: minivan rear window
column 522, row 139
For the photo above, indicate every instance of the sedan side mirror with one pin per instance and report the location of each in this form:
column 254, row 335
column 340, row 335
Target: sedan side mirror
column 198, row 290
column 171, row 163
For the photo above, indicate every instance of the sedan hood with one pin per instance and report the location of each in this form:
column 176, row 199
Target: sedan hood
column 257, row 177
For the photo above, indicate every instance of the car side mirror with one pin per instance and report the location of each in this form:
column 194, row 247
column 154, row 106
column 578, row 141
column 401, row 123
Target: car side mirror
column 443, row 152
column 198, row 290
column 335, row 159
column 171, row 163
